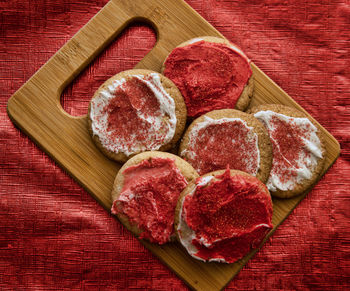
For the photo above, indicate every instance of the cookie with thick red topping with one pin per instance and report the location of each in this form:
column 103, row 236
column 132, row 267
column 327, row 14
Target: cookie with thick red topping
column 136, row 111
column 145, row 194
column 211, row 73
column 222, row 215
column 298, row 149
column 228, row 137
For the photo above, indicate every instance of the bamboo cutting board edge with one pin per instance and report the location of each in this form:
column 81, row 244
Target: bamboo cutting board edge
column 47, row 84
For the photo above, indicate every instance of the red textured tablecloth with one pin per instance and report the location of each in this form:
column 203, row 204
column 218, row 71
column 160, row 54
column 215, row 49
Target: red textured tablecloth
column 54, row 235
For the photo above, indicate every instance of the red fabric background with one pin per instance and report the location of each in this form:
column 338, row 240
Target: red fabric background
column 54, row 235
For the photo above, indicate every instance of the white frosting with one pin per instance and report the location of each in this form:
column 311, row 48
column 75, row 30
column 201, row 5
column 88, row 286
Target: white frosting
column 186, row 241
column 183, row 228
column 126, row 196
column 202, row 181
column 239, row 51
column 194, row 40
column 117, row 144
column 252, row 137
column 307, row 159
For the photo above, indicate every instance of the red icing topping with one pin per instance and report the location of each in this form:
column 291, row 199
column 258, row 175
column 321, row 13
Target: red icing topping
column 288, row 146
column 218, row 145
column 124, row 122
column 209, row 75
column 232, row 214
column 149, row 196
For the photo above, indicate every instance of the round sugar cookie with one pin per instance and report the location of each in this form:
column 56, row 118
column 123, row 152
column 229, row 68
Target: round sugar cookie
column 227, row 137
column 145, row 194
column 211, row 73
column 222, row 215
column 136, row 111
column 298, row 149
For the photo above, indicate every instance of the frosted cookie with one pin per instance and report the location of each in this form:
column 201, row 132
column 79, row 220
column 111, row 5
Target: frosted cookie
column 228, row 137
column 211, row 73
column 145, row 193
column 136, row 111
column 222, row 215
column 298, row 149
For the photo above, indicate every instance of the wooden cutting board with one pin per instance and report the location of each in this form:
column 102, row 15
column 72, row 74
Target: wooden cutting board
column 35, row 108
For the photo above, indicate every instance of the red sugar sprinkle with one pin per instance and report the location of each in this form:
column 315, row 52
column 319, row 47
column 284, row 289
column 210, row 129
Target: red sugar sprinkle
column 156, row 185
column 219, row 145
column 288, row 146
column 231, row 210
column 130, row 99
column 209, row 75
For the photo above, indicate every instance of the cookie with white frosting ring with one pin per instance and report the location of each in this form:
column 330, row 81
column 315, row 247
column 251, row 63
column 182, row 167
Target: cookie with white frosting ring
column 136, row 111
column 298, row 149
column 227, row 137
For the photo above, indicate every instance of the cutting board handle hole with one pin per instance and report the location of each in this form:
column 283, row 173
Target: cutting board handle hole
column 129, row 47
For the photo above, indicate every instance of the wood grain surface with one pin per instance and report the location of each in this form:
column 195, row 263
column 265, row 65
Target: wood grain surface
column 35, row 108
